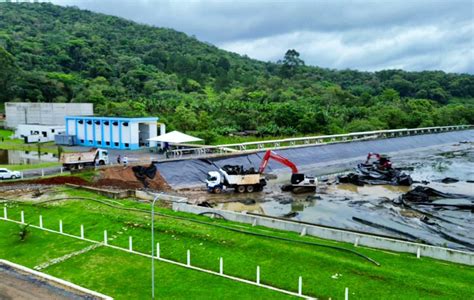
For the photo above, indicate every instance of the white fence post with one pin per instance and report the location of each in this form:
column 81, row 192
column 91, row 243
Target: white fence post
column 254, row 223
column 22, row 176
column 62, row 170
column 61, row 226
column 158, row 250
column 258, row 275
column 22, row 217
column 303, row 231
column 41, row 221
column 130, row 244
column 188, row 258
column 356, row 243
column 5, row 214
column 346, row 294
column 42, row 172
column 300, row 286
column 82, row 231
column 221, row 266
column 105, row 237
column 418, row 252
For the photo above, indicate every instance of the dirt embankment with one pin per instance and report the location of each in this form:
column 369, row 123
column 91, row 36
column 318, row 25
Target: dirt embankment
column 115, row 177
column 124, row 177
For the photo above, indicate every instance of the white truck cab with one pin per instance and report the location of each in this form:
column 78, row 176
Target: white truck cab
column 249, row 181
column 215, row 182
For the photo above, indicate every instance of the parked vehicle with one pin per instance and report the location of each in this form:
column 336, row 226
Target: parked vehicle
column 79, row 160
column 8, row 174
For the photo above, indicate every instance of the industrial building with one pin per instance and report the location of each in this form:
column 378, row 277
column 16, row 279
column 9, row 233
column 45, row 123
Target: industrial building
column 32, row 133
column 43, row 113
column 113, row 132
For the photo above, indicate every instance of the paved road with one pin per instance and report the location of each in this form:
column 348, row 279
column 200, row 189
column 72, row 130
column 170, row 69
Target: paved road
column 15, row 285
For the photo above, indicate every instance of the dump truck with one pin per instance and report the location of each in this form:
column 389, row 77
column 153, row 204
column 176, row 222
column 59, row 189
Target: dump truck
column 235, row 177
column 79, row 160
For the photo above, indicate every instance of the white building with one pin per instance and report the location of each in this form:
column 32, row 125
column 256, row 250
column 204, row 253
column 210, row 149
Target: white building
column 32, row 133
column 43, row 113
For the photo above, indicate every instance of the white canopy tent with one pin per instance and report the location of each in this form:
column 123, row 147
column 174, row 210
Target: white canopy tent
column 175, row 137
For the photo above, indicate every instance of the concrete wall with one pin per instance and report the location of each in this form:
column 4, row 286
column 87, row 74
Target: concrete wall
column 43, row 113
column 457, row 256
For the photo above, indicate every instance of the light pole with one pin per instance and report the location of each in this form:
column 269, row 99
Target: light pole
column 153, row 248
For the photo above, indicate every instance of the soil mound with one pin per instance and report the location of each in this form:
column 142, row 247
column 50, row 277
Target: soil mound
column 124, row 177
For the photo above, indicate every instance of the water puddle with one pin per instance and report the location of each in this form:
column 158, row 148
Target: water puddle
column 17, row 157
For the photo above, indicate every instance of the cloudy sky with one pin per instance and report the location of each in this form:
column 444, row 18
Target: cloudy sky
column 356, row 34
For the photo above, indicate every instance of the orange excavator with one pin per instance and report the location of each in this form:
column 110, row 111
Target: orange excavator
column 299, row 183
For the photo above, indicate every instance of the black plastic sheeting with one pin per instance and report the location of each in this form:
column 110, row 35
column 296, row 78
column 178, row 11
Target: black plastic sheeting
column 193, row 172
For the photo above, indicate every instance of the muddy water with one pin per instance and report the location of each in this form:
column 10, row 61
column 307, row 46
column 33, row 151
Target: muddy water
column 344, row 205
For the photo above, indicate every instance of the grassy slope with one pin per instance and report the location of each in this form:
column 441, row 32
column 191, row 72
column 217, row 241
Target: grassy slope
column 401, row 276
column 122, row 275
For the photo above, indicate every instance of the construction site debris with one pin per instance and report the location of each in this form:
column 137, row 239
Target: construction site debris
column 142, row 173
column 376, row 172
column 238, row 170
column 427, row 194
column 449, row 180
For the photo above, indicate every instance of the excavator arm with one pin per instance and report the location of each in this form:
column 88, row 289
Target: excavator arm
column 369, row 156
column 270, row 154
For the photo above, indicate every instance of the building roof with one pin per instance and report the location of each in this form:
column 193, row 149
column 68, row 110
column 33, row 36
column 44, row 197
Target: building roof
column 142, row 119
column 175, row 137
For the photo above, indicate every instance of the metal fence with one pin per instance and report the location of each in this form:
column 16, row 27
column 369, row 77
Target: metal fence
column 200, row 151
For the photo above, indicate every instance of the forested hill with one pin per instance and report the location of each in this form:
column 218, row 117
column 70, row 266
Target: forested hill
column 51, row 53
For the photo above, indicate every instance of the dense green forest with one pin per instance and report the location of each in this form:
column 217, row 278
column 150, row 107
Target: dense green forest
column 50, row 53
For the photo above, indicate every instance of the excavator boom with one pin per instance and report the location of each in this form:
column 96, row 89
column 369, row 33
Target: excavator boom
column 270, row 154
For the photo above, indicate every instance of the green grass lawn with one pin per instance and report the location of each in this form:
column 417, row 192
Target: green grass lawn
column 31, row 167
column 113, row 272
column 400, row 276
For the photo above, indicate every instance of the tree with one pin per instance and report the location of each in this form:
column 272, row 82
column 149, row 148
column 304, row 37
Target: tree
column 290, row 64
column 8, row 74
column 185, row 119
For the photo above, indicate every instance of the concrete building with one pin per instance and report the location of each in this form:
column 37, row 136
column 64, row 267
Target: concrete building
column 32, row 133
column 112, row 132
column 43, row 113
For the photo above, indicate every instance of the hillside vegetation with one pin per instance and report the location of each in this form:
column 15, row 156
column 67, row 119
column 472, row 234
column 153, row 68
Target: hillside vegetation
column 51, row 53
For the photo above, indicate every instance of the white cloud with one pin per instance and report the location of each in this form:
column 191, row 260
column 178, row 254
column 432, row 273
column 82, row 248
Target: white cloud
column 417, row 48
